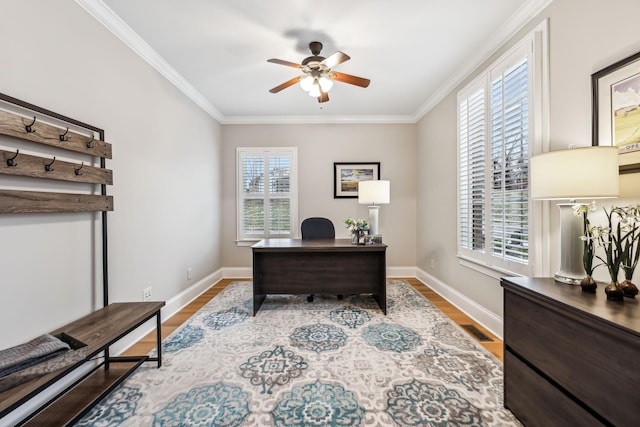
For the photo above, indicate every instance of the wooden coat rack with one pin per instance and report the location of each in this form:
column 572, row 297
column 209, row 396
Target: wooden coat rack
column 101, row 328
column 33, row 166
column 35, row 126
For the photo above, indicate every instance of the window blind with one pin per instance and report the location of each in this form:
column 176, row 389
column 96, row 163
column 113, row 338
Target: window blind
column 266, row 193
column 471, row 171
column 494, row 115
column 509, row 119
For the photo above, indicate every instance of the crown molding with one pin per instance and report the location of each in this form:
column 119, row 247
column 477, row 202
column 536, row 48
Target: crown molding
column 266, row 120
column 519, row 19
column 103, row 14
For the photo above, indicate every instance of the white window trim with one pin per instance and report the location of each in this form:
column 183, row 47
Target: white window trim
column 293, row 190
column 538, row 264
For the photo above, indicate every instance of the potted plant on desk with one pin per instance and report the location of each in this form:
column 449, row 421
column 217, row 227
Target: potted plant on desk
column 358, row 228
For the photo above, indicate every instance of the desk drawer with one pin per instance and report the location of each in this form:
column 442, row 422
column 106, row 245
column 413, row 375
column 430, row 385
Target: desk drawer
column 536, row 402
column 591, row 359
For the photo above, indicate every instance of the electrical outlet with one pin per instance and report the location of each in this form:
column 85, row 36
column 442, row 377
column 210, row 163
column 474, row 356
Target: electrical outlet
column 189, row 273
column 146, row 294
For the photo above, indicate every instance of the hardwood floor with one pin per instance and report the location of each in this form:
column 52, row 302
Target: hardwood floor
column 148, row 343
column 494, row 345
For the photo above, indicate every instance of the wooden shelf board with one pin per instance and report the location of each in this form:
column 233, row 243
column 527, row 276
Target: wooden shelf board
column 82, row 396
column 14, row 202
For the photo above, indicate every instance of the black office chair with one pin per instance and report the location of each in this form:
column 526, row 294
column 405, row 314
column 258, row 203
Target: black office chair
column 317, row 228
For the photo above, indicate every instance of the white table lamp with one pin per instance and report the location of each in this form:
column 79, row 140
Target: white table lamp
column 373, row 193
column 579, row 173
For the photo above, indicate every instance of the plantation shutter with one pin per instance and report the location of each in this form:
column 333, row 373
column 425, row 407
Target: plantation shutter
column 509, row 121
column 252, row 208
column 471, row 196
column 279, row 196
column 267, row 201
column 494, row 114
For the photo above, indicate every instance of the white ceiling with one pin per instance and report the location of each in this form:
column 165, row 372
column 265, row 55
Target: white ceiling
column 413, row 51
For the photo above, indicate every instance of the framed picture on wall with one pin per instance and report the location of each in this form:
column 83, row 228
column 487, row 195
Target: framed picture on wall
column 616, row 110
column 347, row 175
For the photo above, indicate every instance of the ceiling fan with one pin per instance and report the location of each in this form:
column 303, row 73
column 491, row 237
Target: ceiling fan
column 318, row 76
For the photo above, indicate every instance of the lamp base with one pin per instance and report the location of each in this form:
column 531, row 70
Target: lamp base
column 568, row 280
column 373, row 219
column 571, row 270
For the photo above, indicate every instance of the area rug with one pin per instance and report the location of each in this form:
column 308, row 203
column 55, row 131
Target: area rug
column 326, row 363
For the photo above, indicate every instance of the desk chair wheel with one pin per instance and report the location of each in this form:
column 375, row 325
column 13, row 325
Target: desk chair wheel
column 310, row 298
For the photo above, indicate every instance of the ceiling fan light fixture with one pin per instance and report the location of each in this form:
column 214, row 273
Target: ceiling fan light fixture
column 306, row 83
column 315, row 89
column 325, row 83
column 317, row 76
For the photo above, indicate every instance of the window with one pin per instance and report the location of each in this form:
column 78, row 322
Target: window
column 496, row 138
column 267, row 193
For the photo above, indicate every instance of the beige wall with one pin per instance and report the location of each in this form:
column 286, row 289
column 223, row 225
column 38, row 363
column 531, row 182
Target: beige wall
column 319, row 146
column 173, row 210
column 167, row 180
column 584, row 37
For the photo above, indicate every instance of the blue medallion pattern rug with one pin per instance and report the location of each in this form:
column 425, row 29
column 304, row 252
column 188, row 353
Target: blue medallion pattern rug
column 326, row 363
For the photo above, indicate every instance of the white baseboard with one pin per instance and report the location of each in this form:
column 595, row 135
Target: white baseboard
column 480, row 314
column 247, row 272
column 486, row 318
column 393, row 272
column 172, row 306
column 237, row 273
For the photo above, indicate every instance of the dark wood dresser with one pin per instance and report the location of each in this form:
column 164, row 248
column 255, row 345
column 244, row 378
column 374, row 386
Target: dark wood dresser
column 570, row 358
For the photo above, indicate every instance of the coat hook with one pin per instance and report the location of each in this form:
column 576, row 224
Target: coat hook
column 77, row 171
column 28, row 128
column 64, row 136
column 90, row 142
column 48, row 167
column 10, row 162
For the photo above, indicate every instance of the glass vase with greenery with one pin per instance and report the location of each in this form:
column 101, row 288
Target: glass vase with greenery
column 356, row 227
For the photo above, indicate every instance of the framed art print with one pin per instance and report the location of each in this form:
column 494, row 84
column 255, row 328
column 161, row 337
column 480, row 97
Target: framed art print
column 347, row 175
column 616, row 110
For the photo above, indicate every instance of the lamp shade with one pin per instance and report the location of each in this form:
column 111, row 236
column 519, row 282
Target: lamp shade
column 578, row 173
column 373, row 192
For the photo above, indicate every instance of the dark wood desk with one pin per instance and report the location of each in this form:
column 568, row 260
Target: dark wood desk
column 290, row 266
column 570, row 358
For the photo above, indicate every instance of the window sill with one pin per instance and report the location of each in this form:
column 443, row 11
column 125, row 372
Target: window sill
column 242, row 243
column 488, row 270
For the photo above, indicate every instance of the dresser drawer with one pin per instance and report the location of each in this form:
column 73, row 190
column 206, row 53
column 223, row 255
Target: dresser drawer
column 590, row 359
column 536, row 402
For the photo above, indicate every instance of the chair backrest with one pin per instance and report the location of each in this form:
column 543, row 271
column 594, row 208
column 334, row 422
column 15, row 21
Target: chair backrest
column 317, row 228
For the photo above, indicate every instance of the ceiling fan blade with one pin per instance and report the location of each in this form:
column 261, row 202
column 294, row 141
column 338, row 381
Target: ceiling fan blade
column 348, row 78
column 335, row 59
column 285, row 85
column 281, row 62
column 324, row 97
